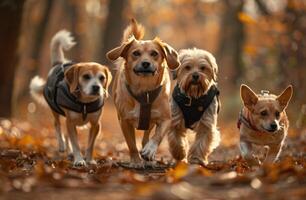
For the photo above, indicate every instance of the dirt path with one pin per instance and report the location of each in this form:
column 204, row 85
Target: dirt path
column 30, row 168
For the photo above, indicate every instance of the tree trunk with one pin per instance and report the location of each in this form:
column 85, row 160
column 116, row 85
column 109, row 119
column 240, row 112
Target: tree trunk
column 10, row 23
column 292, row 58
column 113, row 28
column 39, row 35
column 232, row 39
column 73, row 10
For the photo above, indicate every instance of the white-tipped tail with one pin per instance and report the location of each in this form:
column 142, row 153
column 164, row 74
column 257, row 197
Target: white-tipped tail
column 36, row 89
column 62, row 40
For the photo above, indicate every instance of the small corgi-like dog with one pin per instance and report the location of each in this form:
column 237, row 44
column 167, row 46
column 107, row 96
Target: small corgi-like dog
column 263, row 121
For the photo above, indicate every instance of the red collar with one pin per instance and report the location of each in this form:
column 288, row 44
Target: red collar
column 246, row 121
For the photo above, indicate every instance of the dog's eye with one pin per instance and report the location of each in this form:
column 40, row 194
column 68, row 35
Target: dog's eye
column 202, row 67
column 277, row 114
column 86, row 77
column 187, row 67
column 154, row 53
column 136, row 53
column 101, row 78
column 264, row 113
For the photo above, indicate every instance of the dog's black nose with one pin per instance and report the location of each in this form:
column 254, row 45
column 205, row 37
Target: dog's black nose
column 273, row 126
column 145, row 64
column 95, row 88
column 195, row 76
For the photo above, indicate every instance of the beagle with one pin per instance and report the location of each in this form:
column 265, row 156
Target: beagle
column 76, row 91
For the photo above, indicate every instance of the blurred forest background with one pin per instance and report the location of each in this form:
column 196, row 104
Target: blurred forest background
column 257, row 42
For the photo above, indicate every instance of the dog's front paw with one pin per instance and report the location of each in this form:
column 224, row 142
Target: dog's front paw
column 148, row 152
column 137, row 165
column 91, row 162
column 79, row 163
column 136, row 162
column 197, row 161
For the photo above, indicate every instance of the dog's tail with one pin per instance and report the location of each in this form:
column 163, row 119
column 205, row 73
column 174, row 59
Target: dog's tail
column 36, row 90
column 134, row 29
column 62, row 40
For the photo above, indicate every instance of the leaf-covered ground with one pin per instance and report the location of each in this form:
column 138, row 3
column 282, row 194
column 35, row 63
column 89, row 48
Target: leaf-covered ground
column 31, row 168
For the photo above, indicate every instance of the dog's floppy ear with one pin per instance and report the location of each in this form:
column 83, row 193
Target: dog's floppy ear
column 109, row 77
column 248, row 97
column 170, row 55
column 72, row 77
column 120, row 51
column 285, row 97
column 212, row 61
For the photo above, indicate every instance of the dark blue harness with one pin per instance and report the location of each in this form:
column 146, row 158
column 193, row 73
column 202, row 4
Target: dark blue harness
column 193, row 108
column 57, row 94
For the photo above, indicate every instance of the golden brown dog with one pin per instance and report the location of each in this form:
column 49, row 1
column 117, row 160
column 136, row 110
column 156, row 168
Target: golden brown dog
column 263, row 121
column 141, row 89
column 76, row 91
column 195, row 105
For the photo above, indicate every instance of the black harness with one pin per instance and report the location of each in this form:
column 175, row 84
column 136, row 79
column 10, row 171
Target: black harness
column 193, row 108
column 57, row 94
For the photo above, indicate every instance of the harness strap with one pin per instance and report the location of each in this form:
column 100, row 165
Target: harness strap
column 145, row 100
column 69, row 101
column 243, row 120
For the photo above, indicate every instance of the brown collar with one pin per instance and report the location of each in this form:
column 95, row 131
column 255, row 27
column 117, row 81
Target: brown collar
column 145, row 100
column 246, row 121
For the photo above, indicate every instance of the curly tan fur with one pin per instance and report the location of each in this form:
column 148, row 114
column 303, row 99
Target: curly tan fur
column 202, row 63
